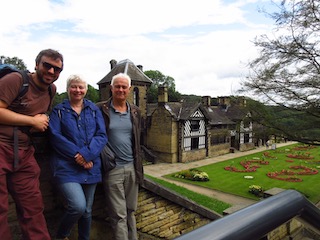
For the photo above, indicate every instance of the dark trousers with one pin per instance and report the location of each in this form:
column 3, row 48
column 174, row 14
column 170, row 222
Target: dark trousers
column 23, row 185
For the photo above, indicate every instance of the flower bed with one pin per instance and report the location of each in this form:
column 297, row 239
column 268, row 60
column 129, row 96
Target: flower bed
column 291, row 175
column 300, row 156
column 303, row 147
column 256, row 190
column 248, row 167
column 268, row 155
column 193, row 174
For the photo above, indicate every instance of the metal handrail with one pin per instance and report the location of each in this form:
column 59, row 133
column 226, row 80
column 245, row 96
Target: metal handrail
column 257, row 220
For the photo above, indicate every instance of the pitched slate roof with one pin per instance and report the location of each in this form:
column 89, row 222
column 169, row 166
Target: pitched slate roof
column 178, row 110
column 126, row 66
column 216, row 116
column 236, row 113
column 184, row 110
column 187, row 109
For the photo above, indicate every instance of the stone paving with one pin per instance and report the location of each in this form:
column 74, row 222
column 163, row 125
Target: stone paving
column 160, row 169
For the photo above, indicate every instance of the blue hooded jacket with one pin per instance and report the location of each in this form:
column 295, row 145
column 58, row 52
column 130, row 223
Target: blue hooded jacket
column 70, row 134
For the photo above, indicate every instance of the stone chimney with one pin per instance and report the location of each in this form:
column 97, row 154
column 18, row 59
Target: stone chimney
column 140, row 67
column 162, row 95
column 224, row 101
column 206, row 101
column 243, row 102
column 113, row 63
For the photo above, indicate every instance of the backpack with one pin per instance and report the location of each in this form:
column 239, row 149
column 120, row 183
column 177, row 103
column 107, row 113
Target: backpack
column 4, row 70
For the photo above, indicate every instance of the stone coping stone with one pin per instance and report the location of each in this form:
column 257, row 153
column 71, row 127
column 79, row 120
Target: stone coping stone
column 272, row 192
column 234, row 208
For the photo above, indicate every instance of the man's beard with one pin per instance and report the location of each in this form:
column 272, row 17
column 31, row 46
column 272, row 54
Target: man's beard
column 40, row 77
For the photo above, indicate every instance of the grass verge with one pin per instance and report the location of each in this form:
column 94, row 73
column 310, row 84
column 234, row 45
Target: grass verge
column 203, row 200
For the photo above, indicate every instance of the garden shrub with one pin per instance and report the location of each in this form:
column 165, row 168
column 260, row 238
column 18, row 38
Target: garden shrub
column 192, row 174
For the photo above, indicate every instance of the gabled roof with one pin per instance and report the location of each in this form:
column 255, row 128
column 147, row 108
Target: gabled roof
column 216, row 116
column 126, row 66
column 236, row 113
column 184, row 111
column 188, row 109
column 178, row 110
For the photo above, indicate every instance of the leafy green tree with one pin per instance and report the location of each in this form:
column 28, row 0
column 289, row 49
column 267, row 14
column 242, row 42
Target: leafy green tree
column 264, row 118
column 59, row 97
column 191, row 98
column 161, row 80
column 14, row 61
column 285, row 76
column 92, row 94
column 173, row 96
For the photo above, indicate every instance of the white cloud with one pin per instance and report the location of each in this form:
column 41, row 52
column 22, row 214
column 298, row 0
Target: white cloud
column 203, row 45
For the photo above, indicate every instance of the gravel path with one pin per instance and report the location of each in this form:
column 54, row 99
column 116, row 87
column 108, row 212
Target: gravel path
column 160, row 169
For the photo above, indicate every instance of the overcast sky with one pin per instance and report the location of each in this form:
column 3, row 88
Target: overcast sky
column 204, row 45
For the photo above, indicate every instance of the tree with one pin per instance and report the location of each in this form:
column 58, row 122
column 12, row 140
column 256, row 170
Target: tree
column 159, row 79
column 286, row 73
column 281, row 122
column 92, row 94
column 191, row 98
column 58, row 98
column 14, row 61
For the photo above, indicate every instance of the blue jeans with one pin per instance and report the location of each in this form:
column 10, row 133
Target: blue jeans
column 79, row 199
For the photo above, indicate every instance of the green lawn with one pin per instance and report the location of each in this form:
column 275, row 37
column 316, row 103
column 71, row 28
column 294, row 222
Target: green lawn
column 206, row 201
column 235, row 183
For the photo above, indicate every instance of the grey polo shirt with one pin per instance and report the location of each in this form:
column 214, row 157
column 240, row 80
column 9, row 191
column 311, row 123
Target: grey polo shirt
column 120, row 135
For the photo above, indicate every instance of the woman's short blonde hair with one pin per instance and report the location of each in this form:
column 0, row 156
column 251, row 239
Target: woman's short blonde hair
column 76, row 78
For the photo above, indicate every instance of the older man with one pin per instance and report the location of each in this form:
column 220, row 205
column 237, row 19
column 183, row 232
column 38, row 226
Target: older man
column 121, row 183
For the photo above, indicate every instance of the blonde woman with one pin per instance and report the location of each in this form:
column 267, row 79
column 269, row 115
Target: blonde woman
column 77, row 134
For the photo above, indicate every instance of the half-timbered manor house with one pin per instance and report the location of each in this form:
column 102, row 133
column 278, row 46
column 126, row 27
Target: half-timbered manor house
column 182, row 131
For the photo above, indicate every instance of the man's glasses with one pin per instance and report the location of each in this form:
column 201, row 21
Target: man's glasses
column 48, row 66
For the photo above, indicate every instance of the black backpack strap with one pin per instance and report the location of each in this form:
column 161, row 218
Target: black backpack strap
column 25, row 83
column 51, row 97
column 23, row 91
